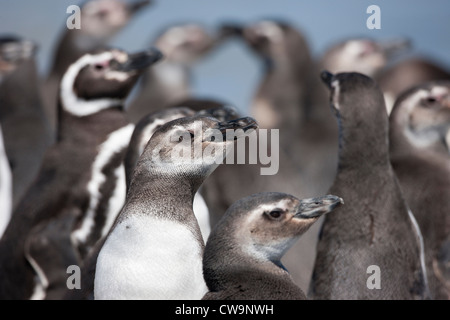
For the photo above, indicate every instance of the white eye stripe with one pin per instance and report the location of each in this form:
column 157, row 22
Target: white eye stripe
column 73, row 104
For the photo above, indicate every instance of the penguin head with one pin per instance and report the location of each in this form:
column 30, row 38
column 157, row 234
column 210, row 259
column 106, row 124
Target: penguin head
column 102, row 19
column 423, row 113
column 185, row 43
column 101, row 80
column 361, row 55
column 355, row 97
column 193, row 146
column 268, row 224
column 14, row 51
column 275, row 40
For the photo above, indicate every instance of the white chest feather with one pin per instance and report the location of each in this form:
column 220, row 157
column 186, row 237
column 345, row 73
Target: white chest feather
column 150, row 258
column 5, row 188
column 116, row 142
column 202, row 214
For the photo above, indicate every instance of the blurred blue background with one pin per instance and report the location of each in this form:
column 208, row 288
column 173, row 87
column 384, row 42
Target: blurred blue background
column 232, row 72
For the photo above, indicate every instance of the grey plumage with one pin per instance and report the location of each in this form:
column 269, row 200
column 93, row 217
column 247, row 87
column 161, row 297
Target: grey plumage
column 418, row 125
column 374, row 227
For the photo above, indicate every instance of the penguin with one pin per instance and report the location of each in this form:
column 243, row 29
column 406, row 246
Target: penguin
column 141, row 135
column 242, row 259
column 84, row 168
column 363, row 55
column 374, row 230
column 26, row 131
column 285, row 100
column 169, row 82
column 419, row 155
column 100, row 21
column 154, row 250
column 409, row 73
column 5, row 187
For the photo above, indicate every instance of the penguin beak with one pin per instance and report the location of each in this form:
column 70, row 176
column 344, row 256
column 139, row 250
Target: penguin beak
column 223, row 114
column 136, row 6
column 393, row 47
column 316, row 207
column 245, row 124
column 327, row 77
column 230, row 29
column 141, row 60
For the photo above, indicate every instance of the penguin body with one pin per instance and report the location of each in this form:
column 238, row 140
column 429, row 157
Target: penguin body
column 375, row 228
column 26, row 132
column 155, row 248
column 419, row 155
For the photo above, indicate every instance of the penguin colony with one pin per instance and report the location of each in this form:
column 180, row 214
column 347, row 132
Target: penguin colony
column 363, row 179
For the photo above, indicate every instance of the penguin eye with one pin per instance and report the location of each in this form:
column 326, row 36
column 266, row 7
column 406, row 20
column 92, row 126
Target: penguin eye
column 99, row 67
column 275, row 214
column 429, row 101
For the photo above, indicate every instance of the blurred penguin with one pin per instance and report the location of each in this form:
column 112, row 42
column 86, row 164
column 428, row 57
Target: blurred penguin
column 100, row 21
column 169, row 82
column 26, row 132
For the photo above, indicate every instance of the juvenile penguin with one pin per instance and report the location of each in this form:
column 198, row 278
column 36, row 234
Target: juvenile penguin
column 155, row 248
column 169, row 82
column 419, row 123
column 144, row 130
column 26, row 132
column 100, row 21
column 84, row 168
column 141, row 136
column 242, row 259
column 409, row 73
column 363, row 55
column 375, row 228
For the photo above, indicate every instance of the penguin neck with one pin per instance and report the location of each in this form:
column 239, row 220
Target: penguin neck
column 162, row 195
column 281, row 96
column 359, row 150
column 231, row 264
column 404, row 143
column 91, row 128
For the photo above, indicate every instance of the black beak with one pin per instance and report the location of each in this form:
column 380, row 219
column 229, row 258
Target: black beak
column 393, row 47
column 245, row 124
column 327, row 78
column 141, row 60
column 230, row 29
column 315, row 207
column 135, row 6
